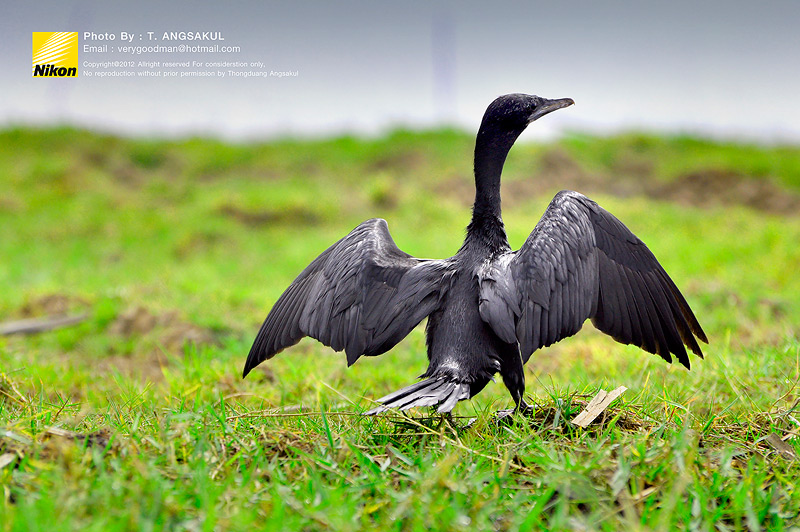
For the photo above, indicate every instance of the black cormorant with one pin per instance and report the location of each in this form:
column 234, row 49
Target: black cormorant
column 488, row 307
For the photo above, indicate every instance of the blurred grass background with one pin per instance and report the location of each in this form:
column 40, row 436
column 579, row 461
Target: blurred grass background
column 176, row 250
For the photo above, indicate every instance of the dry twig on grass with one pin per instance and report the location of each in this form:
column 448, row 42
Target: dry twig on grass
column 596, row 406
column 37, row 325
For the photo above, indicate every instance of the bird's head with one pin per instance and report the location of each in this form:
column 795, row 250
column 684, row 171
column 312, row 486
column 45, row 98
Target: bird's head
column 505, row 119
column 513, row 112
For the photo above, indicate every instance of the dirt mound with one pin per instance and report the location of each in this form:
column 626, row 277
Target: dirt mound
column 53, row 305
column 156, row 337
column 173, row 332
column 291, row 216
column 716, row 187
column 710, row 187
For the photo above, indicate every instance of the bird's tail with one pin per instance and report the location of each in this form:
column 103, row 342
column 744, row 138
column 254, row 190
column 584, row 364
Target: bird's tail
column 438, row 390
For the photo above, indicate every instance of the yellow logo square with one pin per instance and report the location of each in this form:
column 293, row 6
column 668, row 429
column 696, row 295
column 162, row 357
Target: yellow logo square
column 55, row 54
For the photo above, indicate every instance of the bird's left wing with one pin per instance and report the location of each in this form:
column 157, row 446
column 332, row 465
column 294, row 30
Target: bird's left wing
column 363, row 295
column 580, row 263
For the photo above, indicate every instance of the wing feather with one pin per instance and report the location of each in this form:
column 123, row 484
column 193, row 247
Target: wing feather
column 362, row 295
column 580, row 263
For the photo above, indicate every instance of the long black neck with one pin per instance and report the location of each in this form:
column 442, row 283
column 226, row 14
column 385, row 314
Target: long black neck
column 491, row 148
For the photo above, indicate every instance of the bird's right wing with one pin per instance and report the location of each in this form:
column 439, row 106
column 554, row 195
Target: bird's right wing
column 580, row 263
column 363, row 295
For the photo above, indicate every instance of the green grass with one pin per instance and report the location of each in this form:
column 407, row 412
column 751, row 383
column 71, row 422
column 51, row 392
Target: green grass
column 176, row 249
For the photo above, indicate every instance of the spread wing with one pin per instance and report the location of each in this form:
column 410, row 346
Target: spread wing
column 581, row 263
column 363, row 295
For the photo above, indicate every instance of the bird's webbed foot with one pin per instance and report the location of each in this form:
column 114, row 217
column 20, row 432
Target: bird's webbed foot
column 522, row 408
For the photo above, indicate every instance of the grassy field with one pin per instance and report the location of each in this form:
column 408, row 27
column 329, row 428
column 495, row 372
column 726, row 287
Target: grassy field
column 137, row 418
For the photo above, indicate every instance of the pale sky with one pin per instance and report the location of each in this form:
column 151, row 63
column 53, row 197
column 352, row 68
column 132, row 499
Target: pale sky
column 725, row 68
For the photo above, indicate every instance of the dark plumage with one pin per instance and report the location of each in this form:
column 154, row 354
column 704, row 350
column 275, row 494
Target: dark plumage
column 488, row 307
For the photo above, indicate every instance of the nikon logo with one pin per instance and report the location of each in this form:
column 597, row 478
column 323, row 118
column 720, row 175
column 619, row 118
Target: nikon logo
column 55, row 54
column 54, row 71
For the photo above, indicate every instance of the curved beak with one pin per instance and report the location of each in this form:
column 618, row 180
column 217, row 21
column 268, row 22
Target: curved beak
column 548, row 106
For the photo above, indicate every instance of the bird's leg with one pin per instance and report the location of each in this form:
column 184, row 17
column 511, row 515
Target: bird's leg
column 514, row 378
column 521, row 408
